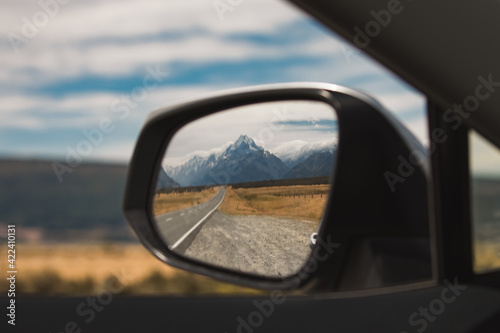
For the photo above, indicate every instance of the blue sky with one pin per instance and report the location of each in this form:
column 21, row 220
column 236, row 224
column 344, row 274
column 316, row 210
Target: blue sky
column 67, row 69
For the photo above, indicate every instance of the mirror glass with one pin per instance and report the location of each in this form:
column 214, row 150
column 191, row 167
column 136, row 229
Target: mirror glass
column 245, row 188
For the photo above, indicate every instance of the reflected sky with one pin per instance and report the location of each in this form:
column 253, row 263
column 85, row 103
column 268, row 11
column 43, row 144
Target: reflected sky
column 271, row 125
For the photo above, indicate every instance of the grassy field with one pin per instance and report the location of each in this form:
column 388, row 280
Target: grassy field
column 170, row 202
column 304, row 202
column 73, row 269
column 486, row 256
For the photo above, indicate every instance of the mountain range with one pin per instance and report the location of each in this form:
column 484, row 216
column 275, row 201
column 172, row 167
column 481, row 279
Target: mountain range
column 164, row 181
column 245, row 161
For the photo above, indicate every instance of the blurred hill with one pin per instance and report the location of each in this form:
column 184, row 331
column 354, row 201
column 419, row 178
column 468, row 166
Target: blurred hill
column 87, row 203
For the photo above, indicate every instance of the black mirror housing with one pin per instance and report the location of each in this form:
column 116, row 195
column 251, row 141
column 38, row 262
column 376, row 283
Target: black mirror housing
column 378, row 195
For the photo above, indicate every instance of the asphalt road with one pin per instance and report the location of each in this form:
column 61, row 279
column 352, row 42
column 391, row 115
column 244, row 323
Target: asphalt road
column 179, row 228
column 270, row 246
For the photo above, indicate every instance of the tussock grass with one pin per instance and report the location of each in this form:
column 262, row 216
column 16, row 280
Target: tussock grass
column 96, row 261
column 73, row 269
column 486, row 256
column 304, row 202
column 171, row 202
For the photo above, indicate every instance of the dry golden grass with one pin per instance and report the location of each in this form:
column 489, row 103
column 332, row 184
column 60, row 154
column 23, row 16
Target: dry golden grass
column 99, row 261
column 171, row 202
column 486, row 256
column 297, row 202
column 76, row 269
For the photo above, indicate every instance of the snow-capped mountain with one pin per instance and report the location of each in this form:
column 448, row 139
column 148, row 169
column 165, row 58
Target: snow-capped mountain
column 244, row 145
column 189, row 173
column 241, row 161
column 245, row 161
column 295, row 152
column 319, row 163
column 164, row 181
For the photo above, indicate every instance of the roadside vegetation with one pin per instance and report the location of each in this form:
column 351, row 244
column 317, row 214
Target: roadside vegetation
column 86, row 269
column 303, row 202
column 486, row 256
column 173, row 201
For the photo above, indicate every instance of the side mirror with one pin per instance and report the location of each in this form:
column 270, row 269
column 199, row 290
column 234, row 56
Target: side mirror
column 281, row 186
column 243, row 188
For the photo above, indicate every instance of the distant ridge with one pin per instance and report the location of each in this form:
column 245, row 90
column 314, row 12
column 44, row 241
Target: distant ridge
column 244, row 161
column 90, row 197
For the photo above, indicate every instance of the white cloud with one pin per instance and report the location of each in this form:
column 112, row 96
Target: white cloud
column 18, row 111
column 97, row 37
column 120, row 38
column 292, row 149
column 403, row 103
column 86, row 20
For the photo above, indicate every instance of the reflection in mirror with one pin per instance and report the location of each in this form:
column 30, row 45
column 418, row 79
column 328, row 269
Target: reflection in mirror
column 244, row 189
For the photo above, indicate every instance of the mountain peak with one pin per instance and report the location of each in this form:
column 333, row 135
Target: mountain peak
column 244, row 139
column 243, row 145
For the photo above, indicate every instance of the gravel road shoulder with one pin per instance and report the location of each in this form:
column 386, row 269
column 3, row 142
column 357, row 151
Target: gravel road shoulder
column 264, row 245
